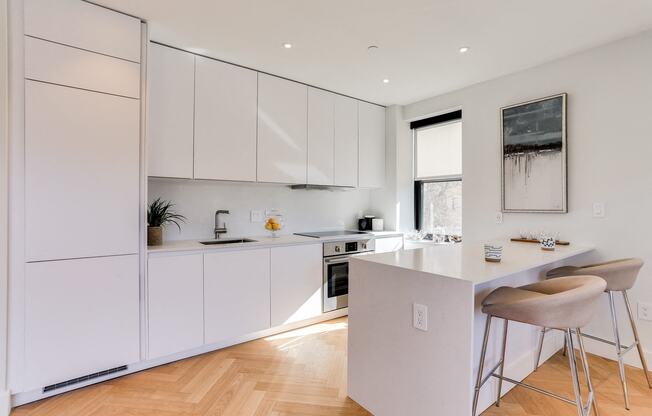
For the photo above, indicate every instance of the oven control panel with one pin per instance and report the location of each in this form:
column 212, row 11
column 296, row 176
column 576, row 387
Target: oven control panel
column 339, row 248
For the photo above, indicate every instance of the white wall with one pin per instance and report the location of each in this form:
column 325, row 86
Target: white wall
column 303, row 210
column 4, row 117
column 609, row 148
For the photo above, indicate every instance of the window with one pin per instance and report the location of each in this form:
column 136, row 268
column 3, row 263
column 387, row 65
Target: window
column 438, row 174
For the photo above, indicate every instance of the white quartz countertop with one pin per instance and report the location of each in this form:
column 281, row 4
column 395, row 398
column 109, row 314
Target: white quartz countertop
column 466, row 260
column 260, row 242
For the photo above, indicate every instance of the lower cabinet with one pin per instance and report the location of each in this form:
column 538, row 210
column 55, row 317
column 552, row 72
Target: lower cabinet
column 388, row 244
column 81, row 317
column 296, row 283
column 236, row 294
column 175, row 304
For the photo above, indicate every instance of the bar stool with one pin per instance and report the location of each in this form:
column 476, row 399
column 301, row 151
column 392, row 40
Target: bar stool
column 620, row 276
column 564, row 303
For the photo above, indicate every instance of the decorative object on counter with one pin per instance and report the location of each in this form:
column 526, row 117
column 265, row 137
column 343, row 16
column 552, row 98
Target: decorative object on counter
column 377, row 224
column 535, row 240
column 533, row 143
column 370, row 220
column 548, row 243
column 274, row 222
column 493, row 253
column 362, row 224
column 160, row 213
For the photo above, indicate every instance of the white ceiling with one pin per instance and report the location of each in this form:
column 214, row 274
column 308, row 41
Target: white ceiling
column 418, row 40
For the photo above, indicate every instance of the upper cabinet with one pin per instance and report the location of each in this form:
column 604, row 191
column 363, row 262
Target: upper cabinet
column 345, row 135
column 171, row 112
column 282, row 130
column 225, row 121
column 371, row 128
column 321, row 105
column 85, row 26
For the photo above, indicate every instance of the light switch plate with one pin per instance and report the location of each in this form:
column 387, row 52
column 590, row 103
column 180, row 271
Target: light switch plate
column 420, row 318
column 499, row 217
column 256, row 215
column 598, row 210
column 645, row 311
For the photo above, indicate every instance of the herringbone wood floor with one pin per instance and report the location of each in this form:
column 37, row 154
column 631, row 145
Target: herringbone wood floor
column 301, row 373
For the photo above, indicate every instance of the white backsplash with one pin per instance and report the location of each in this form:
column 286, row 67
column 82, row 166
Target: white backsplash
column 303, row 210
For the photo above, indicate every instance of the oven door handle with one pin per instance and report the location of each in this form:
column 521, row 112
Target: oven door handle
column 335, row 260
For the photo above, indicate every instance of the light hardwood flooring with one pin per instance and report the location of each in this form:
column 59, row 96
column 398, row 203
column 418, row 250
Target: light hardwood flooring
column 302, row 372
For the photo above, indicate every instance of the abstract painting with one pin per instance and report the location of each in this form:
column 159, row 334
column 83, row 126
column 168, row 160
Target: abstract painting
column 534, row 156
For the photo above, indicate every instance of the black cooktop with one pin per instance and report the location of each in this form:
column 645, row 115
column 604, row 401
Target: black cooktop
column 318, row 234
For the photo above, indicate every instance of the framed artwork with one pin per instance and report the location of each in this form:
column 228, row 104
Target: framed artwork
column 533, row 143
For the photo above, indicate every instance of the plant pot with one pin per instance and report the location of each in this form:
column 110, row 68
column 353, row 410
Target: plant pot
column 154, row 236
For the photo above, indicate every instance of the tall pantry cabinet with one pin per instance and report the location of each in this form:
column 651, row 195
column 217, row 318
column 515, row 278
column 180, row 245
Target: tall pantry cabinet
column 82, row 190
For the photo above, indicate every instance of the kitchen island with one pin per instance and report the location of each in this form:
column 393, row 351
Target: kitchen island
column 396, row 369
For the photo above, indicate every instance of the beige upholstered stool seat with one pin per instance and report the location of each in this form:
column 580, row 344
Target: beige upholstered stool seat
column 567, row 302
column 619, row 274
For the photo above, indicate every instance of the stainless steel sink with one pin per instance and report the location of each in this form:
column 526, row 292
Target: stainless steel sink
column 234, row 241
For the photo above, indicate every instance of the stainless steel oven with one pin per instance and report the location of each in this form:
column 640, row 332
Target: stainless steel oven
column 336, row 270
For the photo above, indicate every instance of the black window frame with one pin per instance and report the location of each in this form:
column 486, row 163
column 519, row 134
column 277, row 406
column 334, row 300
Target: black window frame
column 418, row 183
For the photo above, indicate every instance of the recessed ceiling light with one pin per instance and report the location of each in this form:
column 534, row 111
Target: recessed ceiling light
column 385, row 81
column 464, row 49
column 287, row 45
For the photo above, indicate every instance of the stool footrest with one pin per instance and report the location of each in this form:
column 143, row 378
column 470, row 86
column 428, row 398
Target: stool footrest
column 546, row 392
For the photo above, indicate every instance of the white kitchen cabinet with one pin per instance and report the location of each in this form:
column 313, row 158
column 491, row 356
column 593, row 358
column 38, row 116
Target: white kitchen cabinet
column 225, row 121
column 81, row 173
column 345, row 132
column 175, row 299
column 296, row 283
column 282, row 130
column 236, row 294
column 388, row 244
column 63, row 65
column 371, row 119
column 84, row 25
column 81, row 317
column 171, row 112
column 321, row 106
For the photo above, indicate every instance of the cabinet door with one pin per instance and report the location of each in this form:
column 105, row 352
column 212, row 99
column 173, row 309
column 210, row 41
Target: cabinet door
column 236, row 294
column 175, row 288
column 388, row 244
column 345, row 141
column 372, row 145
column 84, row 25
column 171, row 101
column 82, row 153
column 225, row 121
column 282, row 124
column 296, row 283
column 81, row 317
column 320, row 136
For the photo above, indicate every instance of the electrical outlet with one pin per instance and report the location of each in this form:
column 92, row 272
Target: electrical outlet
column 499, row 217
column 256, row 215
column 420, row 318
column 598, row 210
column 645, row 311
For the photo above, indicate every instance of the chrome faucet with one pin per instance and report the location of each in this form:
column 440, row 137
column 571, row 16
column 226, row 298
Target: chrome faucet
column 220, row 230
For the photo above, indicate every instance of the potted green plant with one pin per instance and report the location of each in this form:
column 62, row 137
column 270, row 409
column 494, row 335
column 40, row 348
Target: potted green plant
column 160, row 213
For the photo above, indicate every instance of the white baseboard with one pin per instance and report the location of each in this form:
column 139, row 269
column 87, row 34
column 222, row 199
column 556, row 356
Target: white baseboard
column 22, row 398
column 5, row 402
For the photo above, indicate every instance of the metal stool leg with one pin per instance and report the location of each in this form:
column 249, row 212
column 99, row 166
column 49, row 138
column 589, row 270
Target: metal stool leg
column 483, row 354
column 574, row 374
column 585, row 364
column 502, row 363
column 637, row 339
column 621, row 364
column 543, row 335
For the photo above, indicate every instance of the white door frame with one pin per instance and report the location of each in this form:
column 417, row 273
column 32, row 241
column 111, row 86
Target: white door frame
column 4, row 171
